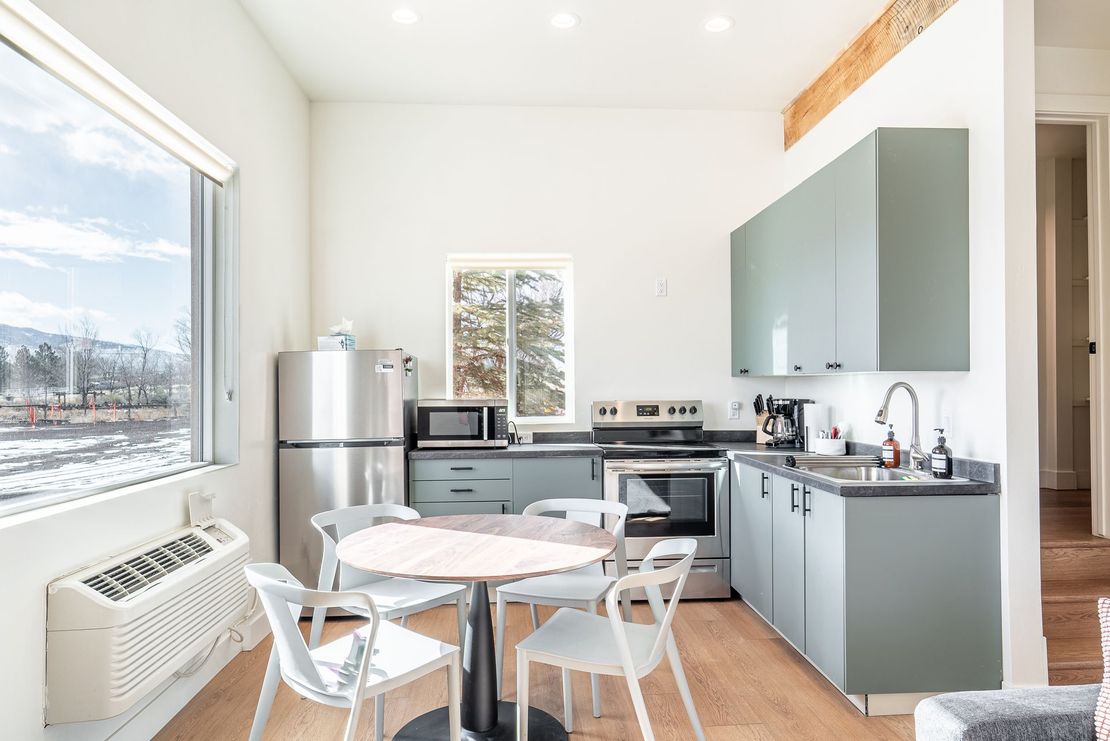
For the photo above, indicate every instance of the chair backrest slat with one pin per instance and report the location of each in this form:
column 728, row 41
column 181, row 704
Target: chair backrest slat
column 650, row 579
column 283, row 598
column 347, row 520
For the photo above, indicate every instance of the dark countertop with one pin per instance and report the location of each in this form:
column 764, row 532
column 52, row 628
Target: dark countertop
column 530, row 450
column 771, row 460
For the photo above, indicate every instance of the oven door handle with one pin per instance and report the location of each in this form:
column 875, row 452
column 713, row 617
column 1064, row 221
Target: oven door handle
column 668, row 469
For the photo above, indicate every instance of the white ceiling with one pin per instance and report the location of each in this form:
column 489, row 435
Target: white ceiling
column 1083, row 24
column 625, row 53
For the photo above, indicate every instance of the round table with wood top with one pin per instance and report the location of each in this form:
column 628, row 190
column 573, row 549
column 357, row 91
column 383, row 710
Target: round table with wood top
column 477, row 549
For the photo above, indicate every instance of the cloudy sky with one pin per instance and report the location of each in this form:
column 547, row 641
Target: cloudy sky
column 94, row 218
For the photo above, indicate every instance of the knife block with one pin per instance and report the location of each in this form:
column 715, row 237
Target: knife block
column 761, row 437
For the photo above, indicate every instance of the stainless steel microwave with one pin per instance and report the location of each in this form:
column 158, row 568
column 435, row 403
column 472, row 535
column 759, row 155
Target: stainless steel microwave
column 462, row 423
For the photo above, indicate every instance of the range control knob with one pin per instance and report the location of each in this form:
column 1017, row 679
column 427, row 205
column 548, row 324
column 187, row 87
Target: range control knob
column 693, row 410
column 671, row 410
column 613, row 410
column 603, row 411
column 682, row 410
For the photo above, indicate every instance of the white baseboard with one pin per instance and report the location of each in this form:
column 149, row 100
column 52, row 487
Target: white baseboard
column 1059, row 480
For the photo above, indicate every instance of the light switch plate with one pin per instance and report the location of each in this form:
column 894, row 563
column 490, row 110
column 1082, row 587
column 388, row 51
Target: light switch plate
column 734, row 410
column 660, row 286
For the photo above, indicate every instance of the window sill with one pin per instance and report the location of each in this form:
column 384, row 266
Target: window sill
column 35, row 509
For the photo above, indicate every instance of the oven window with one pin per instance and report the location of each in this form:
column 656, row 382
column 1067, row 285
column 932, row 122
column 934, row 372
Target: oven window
column 455, row 423
column 668, row 505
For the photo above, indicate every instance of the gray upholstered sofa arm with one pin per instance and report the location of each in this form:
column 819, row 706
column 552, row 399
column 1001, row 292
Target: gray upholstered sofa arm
column 1064, row 713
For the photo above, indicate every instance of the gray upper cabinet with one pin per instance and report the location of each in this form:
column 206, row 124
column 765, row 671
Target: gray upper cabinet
column 845, row 272
column 750, row 532
column 760, row 319
column 810, row 249
column 554, row 478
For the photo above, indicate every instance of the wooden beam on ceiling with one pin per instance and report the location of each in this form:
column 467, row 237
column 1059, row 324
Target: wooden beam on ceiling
column 892, row 31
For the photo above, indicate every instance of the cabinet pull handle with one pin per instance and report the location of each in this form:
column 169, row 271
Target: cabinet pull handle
column 462, row 468
column 504, row 508
column 461, row 491
column 763, row 486
column 797, row 368
column 806, row 509
column 593, row 469
column 828, row 366
column 793, row 498
column 836, row 366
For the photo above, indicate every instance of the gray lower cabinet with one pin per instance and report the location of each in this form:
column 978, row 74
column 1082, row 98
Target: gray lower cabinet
column 883, row 594
column 555, row 478
column 788, row 577
column 824, row 588
column 828, row 277
column 470, row 486
column 750, row 532
column 435, row 509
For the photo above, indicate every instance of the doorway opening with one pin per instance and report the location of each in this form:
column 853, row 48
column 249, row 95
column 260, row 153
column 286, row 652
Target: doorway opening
column 1075, row 562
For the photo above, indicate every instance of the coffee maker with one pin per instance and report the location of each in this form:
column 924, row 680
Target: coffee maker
column 785, row 425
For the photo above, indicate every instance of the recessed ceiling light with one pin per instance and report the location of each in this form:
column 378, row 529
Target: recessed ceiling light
column 565, row 20
column 407, row 16
column 719, row 23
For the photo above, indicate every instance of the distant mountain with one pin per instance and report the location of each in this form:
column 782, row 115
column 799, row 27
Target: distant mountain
column 12, row 337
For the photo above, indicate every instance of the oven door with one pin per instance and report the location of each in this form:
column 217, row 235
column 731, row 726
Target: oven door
column 672, row 499
column 455, row 426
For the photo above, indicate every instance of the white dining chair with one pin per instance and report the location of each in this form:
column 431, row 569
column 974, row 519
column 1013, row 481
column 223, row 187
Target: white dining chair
column 346, row 672
column 393, row 597
column 579, row 641
column 583, row 588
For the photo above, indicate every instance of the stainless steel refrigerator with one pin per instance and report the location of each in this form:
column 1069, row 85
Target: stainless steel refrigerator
column 346, row 420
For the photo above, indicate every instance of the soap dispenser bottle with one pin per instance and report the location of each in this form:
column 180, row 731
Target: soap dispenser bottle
column 941, row 459
column 892, row 450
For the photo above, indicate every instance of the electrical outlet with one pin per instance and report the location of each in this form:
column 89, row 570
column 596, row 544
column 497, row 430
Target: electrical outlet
column 734, row 410
column 526, row 438
column 660, row 286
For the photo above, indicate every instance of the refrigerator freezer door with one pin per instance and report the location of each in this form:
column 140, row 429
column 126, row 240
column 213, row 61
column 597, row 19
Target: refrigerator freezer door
column 353, row 395
column 317, row 479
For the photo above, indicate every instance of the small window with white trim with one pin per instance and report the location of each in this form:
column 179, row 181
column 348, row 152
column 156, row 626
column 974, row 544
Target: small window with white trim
column 510, row 333
column 109, row 238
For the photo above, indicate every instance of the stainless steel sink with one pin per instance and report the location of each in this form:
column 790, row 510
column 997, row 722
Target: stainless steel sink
column 874, row 474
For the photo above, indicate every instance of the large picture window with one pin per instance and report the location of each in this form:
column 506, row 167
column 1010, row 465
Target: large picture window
column 104, row 241
column 510, row 334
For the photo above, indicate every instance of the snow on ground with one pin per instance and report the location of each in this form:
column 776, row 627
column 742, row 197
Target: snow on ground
column 60, row 459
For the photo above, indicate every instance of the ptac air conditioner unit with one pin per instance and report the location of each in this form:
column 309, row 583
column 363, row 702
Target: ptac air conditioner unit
column 117, row 630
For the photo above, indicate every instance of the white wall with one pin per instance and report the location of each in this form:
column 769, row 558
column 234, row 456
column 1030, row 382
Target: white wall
column 204, row 61
column 971, row 69
column 1066, row 71
column 633, row 195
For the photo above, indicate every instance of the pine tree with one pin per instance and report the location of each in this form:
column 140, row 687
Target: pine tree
column 46, row 369
column 23, row 375
column 5, row 369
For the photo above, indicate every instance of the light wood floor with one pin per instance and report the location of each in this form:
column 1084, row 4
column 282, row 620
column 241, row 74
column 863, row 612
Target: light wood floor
column 747, row 683
column 1075, row 572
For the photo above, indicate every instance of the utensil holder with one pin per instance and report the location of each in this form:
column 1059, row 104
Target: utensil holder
column 825, row 446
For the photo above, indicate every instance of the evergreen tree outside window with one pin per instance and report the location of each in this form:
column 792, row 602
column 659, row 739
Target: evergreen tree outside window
column 509, row 334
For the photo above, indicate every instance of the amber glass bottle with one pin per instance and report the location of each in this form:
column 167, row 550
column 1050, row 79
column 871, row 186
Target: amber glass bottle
column 892, row 451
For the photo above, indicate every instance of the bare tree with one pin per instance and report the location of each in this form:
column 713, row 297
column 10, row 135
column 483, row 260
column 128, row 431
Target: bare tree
column 145, row 340
column 86, row 357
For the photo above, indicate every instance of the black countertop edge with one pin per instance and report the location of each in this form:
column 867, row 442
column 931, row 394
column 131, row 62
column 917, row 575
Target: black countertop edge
column 532, row 450
column 771, row 461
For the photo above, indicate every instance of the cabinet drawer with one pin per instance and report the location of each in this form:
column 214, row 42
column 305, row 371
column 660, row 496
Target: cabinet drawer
column 450, row 469
column 495, row 490
column 435, row 509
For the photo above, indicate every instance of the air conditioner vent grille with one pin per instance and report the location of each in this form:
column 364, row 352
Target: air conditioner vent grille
column 136, row 574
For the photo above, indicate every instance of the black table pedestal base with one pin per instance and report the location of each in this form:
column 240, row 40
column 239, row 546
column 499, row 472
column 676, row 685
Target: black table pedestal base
column 434, row 725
